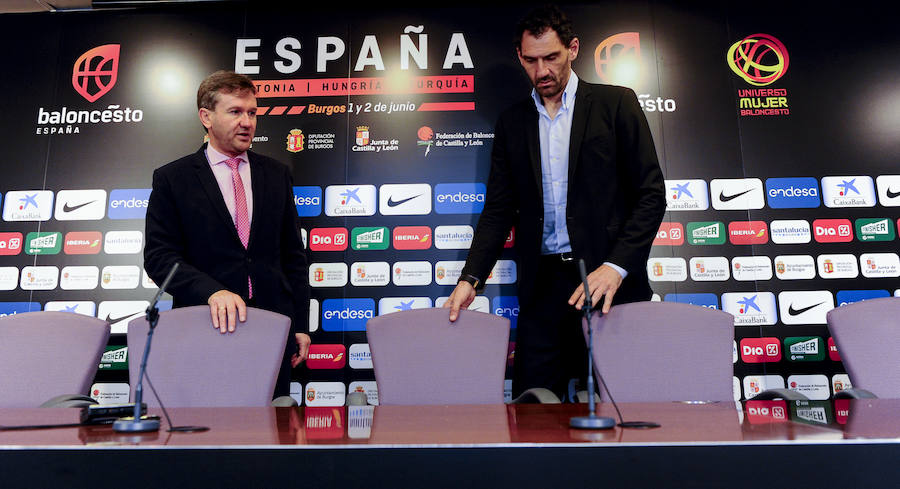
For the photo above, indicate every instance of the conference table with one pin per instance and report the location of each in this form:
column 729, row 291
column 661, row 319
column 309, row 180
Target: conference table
column 849, row 443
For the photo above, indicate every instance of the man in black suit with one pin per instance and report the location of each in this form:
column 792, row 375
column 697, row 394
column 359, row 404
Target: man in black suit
column 227, row 215
column 574, row 169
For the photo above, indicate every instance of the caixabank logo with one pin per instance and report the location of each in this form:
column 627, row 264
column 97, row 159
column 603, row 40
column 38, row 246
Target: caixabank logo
column 618, row 61
column 94, row 74
column 760, row 60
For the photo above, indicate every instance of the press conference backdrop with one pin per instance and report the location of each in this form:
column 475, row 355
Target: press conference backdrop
column 776, row 131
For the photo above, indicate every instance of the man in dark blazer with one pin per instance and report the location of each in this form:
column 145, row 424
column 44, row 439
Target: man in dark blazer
column 227, row 216
column 574, row 169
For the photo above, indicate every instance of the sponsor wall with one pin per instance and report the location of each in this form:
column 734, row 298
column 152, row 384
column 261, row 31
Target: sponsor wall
column 779, row 158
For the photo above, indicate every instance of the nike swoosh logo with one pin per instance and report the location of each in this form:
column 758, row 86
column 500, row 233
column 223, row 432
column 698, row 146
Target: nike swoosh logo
column 115, row 319
column 726, row 198
column 796, row 312
column 68, row 208
column 890, row 194
column 394, row 203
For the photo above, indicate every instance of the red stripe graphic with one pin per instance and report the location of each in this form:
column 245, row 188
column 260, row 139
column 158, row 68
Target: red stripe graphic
column 438, row 106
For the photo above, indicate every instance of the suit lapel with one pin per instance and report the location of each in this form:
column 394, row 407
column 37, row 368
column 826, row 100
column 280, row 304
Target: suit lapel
column 211, row 189
column 258, row 184
column 579, row 125
column 532, row 135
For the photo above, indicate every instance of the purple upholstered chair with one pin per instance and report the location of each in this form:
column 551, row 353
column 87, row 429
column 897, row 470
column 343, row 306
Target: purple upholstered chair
column 46, row 354
column 191, row 364
column 867, row 335
column 420, row 357
column 664, row 351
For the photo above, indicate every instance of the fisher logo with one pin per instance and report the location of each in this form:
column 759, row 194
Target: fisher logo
column 750, row 308
column 669, row 234
column 79, row 277
column 349, row 200
column 387, row 305
column 10, row 243
column 412, row 237
column 347, row 314
column 709, row 268
column 760, row 350
column 404, row 199
column 746, row 268
column 833, row 230
column 879, row 265
column 448, row 272
column 504, row 272
column 805, row 307
column 837, row 266
column 877, row 229
column 804, row 348
column 326, row 356
column 888, row 190
column 295, row 141
column 123, row 242
column 308, row 200
column 369, row 274
column 360, row 356
column 459, row 198
column 86, row 308
column 9, row 278
column 426, row 138
column 120, row 277
column 453, row 237
column 80, row 205
column 128, row 203
column 795, row 231
column 43, row 243
column 328, row 239
column 83, row 243
column 850, row 191
column 665, row 269
column 792, row 193
column 748, row 232
column 95, row 72
column 13, row 308
column 370, row 238
column 686, row 195
column 506, row 306
column 736, row 193
column 412, row 273
column 28, row 205
column 845, row 297
column 328, row 274
column 114, row 358
column 710, row 301
column 706, row 233
column 795, row 267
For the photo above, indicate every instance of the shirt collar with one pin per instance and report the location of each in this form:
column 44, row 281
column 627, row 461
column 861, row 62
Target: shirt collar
column 568, row 96
column 215, row 157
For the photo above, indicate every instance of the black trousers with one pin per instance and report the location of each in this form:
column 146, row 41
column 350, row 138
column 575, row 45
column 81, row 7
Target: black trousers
column 550, row 346
column 283, row 382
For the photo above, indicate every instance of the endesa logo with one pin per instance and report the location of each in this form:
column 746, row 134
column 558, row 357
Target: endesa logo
column 12, row 308
column 10, row 243
column 710, row 301
column 507, row 306
column 833, row 230
column 412, row 237
column 347, row 314
column 748, row 232
column 792, row 193
column 328, row 239
column 128, row 203
column 326, row 356
column 459, row 198
column 845, row 297
column 669, row 234
column 760, row 350
column 308, row 200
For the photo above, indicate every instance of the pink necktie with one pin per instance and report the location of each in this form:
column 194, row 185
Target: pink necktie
column 241, row 217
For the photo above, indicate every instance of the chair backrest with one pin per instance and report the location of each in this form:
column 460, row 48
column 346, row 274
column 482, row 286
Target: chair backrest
column 664, row 351
column 420, row 357
column 192, row 364
column 45, row 354
column 867, row 335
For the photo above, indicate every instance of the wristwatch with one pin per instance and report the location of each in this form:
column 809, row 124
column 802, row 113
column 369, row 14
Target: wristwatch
column 472, row 280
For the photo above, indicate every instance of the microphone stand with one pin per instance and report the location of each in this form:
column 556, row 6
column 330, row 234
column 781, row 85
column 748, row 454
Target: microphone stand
column 591, row 421
column 136, row 423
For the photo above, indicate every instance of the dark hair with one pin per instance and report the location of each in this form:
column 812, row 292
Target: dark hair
column 222, row 81
column 539, row 20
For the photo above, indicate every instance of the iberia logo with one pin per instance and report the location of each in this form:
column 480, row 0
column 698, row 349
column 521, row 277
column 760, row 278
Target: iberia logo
column 760, row 59
column 295, row 141
column 426, row 138
column 95, row 72
column 617, row 58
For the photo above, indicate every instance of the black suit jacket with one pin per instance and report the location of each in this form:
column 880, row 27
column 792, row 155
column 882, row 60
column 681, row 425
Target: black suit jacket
column 616, row 197
column 187, row 222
